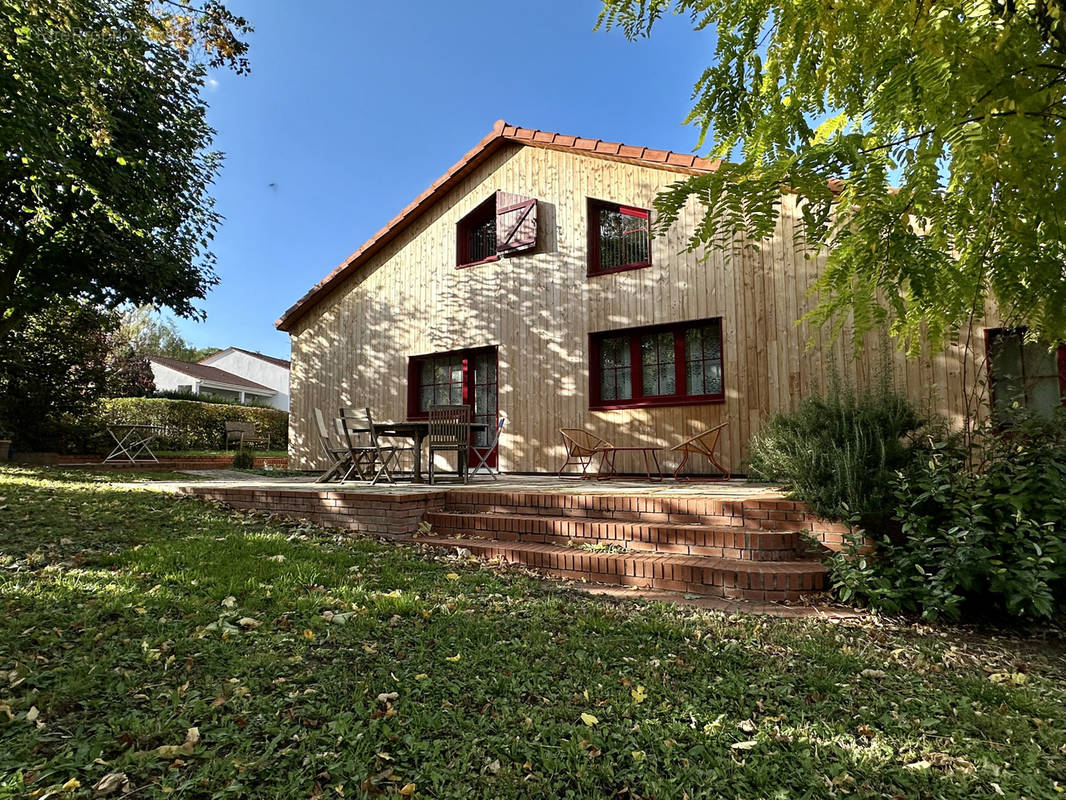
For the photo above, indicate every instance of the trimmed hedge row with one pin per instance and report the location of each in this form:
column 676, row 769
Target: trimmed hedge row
column 190, row 425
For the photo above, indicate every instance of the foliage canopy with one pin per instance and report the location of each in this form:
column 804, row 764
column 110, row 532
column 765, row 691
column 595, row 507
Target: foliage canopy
column 943, row 116
column 104, row 172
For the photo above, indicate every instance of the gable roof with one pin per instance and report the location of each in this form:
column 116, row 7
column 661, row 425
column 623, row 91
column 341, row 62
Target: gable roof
column 212, row 374
column 501, row 134
column 277, row 362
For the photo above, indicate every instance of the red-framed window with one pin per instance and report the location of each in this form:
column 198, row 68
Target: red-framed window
column 459, row 377
column 1024, row 373
column 476, row 235
column 658, row 365
column 619, row 237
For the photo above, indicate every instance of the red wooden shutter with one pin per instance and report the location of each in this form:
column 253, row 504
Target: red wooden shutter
column 516, row 223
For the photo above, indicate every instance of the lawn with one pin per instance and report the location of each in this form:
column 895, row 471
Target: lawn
column 205, row 653
column 230, row 452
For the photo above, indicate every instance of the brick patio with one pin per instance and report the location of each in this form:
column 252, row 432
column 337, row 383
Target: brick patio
column 732, row 540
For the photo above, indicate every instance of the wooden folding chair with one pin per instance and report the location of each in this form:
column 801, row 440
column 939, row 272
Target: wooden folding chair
column 370, row 459
column 581, row 448
column 482, row 452
column 340, row 458
column 704, row 444
column 449, row 430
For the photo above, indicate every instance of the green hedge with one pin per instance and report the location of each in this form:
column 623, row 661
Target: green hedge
column 190, row 425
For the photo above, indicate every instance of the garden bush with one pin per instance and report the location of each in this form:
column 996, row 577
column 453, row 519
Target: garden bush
column 189, row 425
column 837, row 453
column 243, row 459
column 981, row 534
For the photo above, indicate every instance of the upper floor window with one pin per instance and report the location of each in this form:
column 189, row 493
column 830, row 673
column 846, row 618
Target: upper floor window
column 619, row 237
column 1026, row 374
column 658, row 365
column 477, row 234
column 505, row 223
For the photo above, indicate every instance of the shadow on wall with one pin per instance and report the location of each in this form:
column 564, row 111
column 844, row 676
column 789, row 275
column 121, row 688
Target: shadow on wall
column 539, row 307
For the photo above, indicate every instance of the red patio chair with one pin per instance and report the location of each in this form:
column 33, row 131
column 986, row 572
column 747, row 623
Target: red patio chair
column 581, row 448
column 704, row 444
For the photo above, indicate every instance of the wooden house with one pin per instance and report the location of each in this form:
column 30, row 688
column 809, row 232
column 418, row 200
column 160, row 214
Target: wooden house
column 524, row 281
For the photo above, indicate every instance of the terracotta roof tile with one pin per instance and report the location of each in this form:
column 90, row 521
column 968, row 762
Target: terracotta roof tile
column 501, row 134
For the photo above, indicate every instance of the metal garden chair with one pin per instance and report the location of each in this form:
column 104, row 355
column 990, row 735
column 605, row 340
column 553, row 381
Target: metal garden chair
column 582, row 448
column 703, row 443
column 449, row 430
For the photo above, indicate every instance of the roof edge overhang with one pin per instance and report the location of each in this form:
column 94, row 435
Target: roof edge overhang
column 501, row 134
column 232, row 387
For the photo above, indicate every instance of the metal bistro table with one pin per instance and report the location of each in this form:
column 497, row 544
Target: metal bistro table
column 131, row 441
column 417, row 430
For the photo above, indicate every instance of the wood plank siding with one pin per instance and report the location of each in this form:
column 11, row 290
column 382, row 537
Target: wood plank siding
column 352, row 347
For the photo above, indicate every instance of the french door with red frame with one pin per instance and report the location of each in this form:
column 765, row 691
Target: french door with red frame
column 459, row 377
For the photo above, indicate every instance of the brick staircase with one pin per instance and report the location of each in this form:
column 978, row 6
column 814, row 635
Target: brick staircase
column 743, row 549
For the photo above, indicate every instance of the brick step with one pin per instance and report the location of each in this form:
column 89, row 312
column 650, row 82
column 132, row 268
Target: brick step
column 701, row 575
column 684, row 539
column 771, row 514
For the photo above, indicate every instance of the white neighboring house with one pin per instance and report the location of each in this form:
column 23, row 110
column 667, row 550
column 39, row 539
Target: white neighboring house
column 266, row 370
column 172, row 375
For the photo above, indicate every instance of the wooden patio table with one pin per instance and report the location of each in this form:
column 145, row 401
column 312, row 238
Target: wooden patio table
column 607, row 468
column 417, row 430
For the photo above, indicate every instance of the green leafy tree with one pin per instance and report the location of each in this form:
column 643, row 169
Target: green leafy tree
column 150, row 334
column 926, row 141
column 53, row 369
column 104, row 160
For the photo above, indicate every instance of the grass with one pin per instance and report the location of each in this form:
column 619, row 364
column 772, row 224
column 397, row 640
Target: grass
column 315, row 664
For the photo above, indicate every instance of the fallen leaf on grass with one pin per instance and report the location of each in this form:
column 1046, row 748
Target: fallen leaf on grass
column 638, row 755
column 308, row 633
column 229, row 602
column 589, row 719
column 748, row 745
column 192, row 738
column 248, row 623
column 747, row 726
column 32, row 714
column 113, row 782
column 408, row 790
column 71, row 785
column 639, row 695
column 873, row 673
column 456, row 657
column 452, row 576
column 421, row 676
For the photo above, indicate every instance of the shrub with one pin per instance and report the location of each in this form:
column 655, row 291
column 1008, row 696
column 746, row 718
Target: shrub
column 837, row 453
column 189, row 425
column 209, row 398
column 243, row 459
column 976, row 539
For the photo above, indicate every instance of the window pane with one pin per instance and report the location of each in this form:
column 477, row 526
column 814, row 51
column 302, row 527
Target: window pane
column 624, row 239
column 456, row 394
column 425, row 398
column 1044, row 396
column 666, row 378
column 1039, row 362
column 427, row 372
column 625, row 384
column 712, row 383
column 695, row 378
column 607, row 390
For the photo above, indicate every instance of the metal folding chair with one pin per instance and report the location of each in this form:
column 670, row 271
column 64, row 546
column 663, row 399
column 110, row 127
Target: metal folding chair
column 483, row 452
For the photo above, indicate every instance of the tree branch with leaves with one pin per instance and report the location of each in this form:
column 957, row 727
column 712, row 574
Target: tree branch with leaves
column 899, row 126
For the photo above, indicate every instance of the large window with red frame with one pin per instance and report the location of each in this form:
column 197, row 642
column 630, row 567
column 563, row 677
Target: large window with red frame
column 1025, row 374
column 657, row 365
column 619, row 237
column 460, row 377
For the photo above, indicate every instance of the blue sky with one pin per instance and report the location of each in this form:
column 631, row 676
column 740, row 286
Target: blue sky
column 353, row 108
